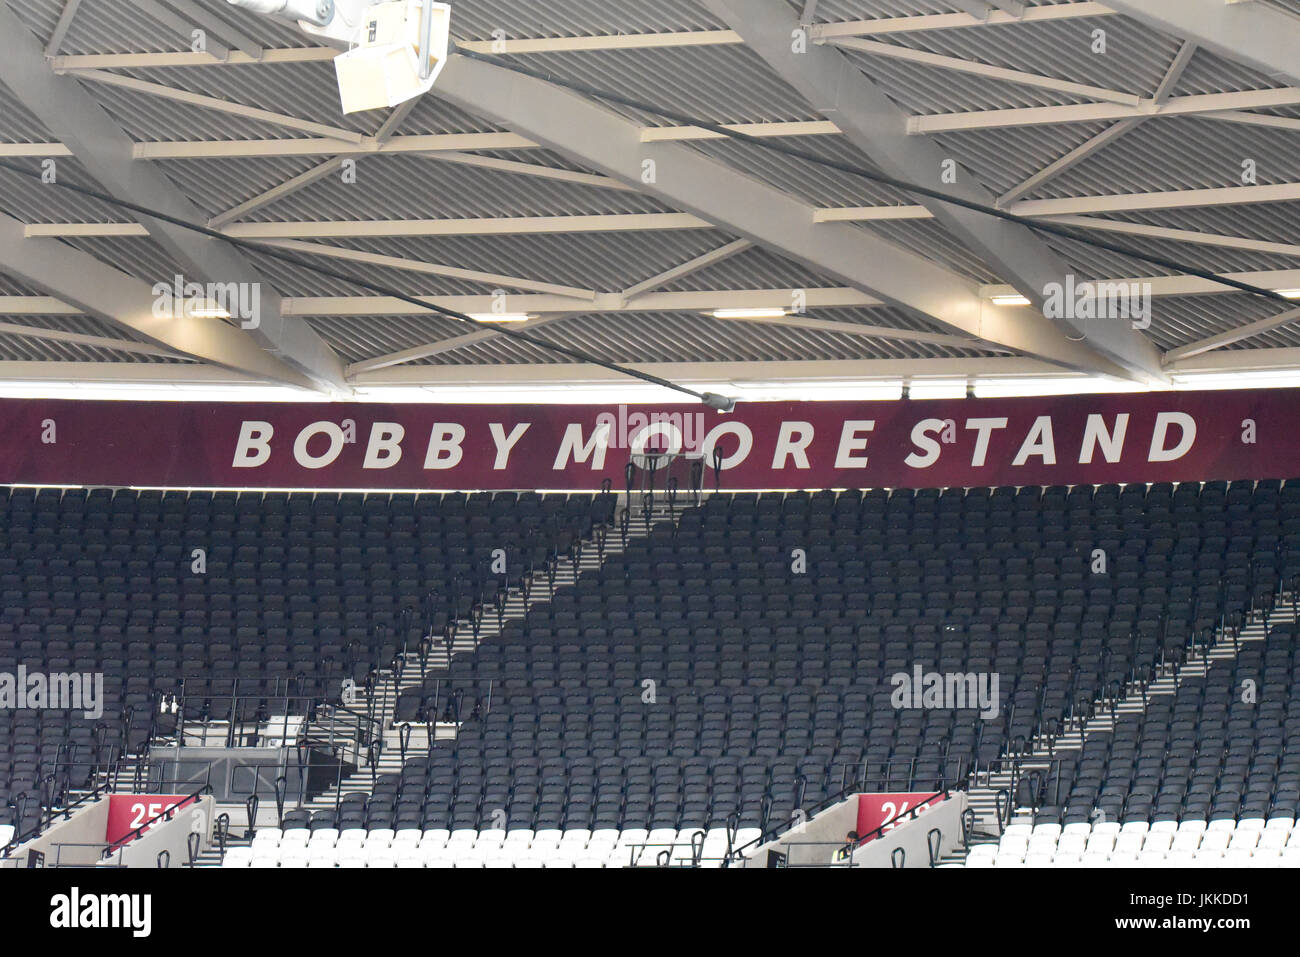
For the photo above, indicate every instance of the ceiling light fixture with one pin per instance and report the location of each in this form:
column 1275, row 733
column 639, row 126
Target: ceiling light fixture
column 500, row 316
column 1016, row 300
column 753, row 313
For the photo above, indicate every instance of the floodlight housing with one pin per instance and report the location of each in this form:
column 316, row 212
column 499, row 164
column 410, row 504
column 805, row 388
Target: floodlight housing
column 400, row 49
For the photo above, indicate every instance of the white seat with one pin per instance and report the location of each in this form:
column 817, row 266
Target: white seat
column 1102, row 843
column 745, row 835
column 633, row 835
column 1158, row 841
column 1185, row 841
column 462, row 835
column 1047, row 828
column 407, row 837
column 410, row 860
column 435, row 837
column 529, row 862
column 1106, row 827
column 380, row 837
column 267, row 835
column 500, row 861
column 520, row 838
column 1128, row 843
column 1135, row 827
column 1223, row 824
column 1251, row 824
column 662, row 839
column 432, row 852
column 1236, row 857
column 297, row 857
column 589, row 862
column 1280, row 824
column 578, row 835
column 326, row 835
column 1245, row 837
column 295, row 837
column 237, row 857
column 553, row 835
column 603, row 834
column 1216, row 839
column 1191, row 825
column 321, row 856
column 1018, row 830
column 352, row 860
column 491, row 838
column 1071, row 844
column 1164, row 827
column 6, row 834
column 1078, row 827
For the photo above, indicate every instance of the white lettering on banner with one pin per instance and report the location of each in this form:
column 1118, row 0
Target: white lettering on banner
column 305, row 458
column 1094, row 434
column 505, row 443
column 744, row 444
column 1038, row 442
column 445, row 450
column 928, row 448
column 1158, row 451
column 642, row 438
column 1102, row 438
column 385, row 448
column 793, row 441
column 851, row 441
column 983, row 430
column 574, row 447
column 254, row 446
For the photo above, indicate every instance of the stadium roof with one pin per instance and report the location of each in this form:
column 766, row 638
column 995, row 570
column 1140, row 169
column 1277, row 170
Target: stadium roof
column 1169, row 125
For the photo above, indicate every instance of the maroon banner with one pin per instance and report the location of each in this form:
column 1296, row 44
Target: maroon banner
column 888, row 809
column 127, row 812
column 1152, row 437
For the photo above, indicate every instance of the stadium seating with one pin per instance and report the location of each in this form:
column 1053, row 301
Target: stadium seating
column 290, row 594
column 723, row 671
column 771, row 678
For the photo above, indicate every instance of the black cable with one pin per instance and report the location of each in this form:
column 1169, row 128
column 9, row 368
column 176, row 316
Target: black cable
column 713, row 400
column 865, row 173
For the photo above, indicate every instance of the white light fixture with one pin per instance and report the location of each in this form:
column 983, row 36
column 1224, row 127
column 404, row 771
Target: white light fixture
column 209, row 312
column 753, row 313
column 1016, row 300
column 937, row 389
column 499, row 316
column 1288, row 293
column 400, row 49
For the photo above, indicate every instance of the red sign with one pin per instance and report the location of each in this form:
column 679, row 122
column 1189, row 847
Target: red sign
column 877, row 809
column 127, row 812
column 1150, row 437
